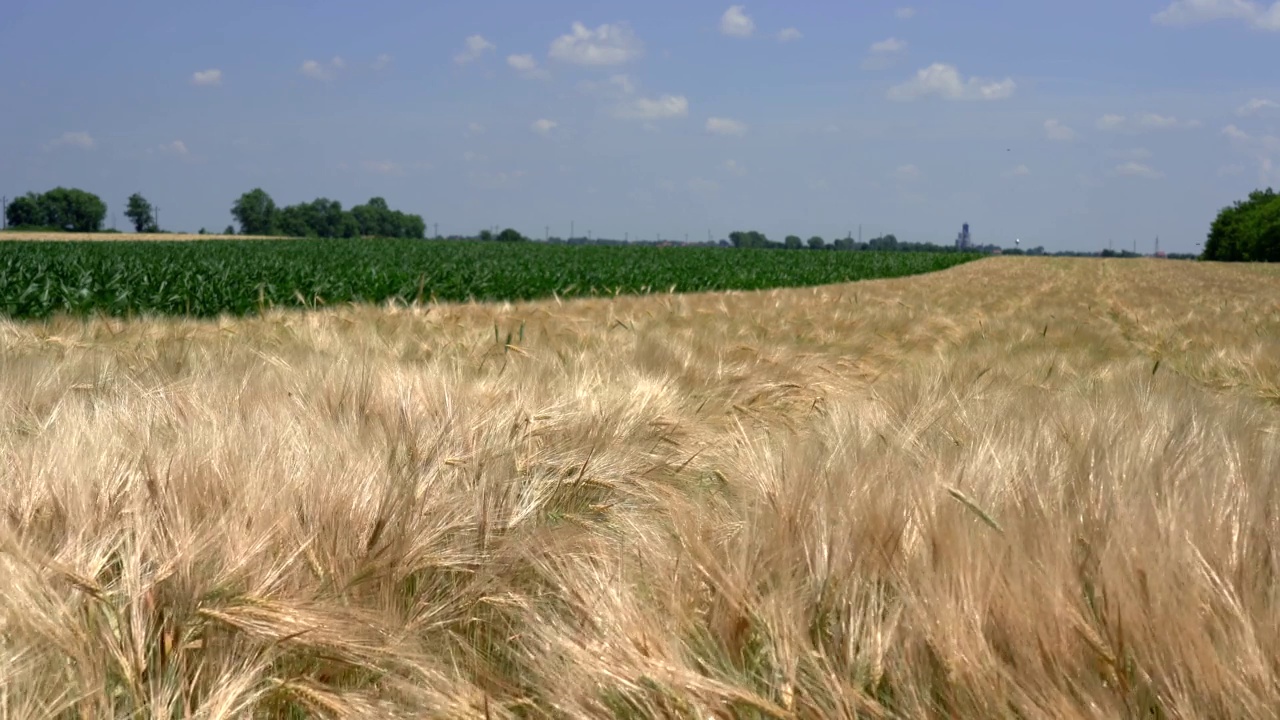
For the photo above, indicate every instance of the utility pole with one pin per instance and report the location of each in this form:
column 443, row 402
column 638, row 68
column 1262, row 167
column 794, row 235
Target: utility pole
column 1157, row 245
column 859, row 233
column 157, row 218
column 437, row 226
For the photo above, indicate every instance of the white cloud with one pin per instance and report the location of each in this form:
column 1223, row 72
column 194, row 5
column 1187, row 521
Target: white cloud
column 605, row 45
column 80, row 140
column 947, row 82
column 907, row 172
column 1137, row 169
column 320, row 71
column 1263, row 150
column 735, row 168
column 543, row 126
column 789, row 34
column 475, row 128
column 476, row 46
column 736, row 23
column 382, row 62
column 1194, row 12
column 212, row 76
column 905, row 13
column 527, row 67
column 1020, row 171
column 726, row 126
column 1236, row 133
column 1146, row 121
column 1055, row 130
column 881, row 55
column 660, row 108
column 888, row 46
column 177, row 147
column 1255, row 105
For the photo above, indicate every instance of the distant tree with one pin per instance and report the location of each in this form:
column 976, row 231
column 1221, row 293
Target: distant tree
column 793, row 242
column 202, row 232
column 256, row 212
column 486, row 235
column 1247, row 231
column 510, row 235
column 141, row 214
column 748, row 239
column 817, row 243
column 229, row 231
column 27, row 211
column 73, row 210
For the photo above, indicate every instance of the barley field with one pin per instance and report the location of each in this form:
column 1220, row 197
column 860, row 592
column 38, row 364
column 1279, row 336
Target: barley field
column 1015, row 488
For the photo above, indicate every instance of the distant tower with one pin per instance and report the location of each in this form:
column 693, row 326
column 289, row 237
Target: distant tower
column 962, row 240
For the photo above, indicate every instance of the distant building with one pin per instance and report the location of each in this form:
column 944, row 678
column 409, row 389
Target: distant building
column 963, row 241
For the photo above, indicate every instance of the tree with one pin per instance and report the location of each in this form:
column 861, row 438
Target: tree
column 510, row 235
column 141, row 214
column 26, row 211
column 793, row 242
column 1248, row 231
column 256, row 212
column 73, row 210
column 817, row 243
column 486, row 235
column 229, row 231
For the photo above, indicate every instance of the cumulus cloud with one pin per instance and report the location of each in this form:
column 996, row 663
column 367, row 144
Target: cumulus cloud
column 726, row 126
column 882, row 54
column 319, row 71
column 789, row 34
column 474, row 128
column 382, row 62
column 946, row 82
column 1256, row 105
column 1262, row 149
column 475, row 47
column 907, row 172
column 1055, row 130
column 734, row 167
column 660, row 108
column 736, row 23
column 905, row 13
column 81, row 140
column 1136, row 169
column 605, row 45
column 177, row 147
column 1146, row 121
column 1020, row 171
column 210, row 77
column 543, row 126
column 1194, row 12
column 527, row 67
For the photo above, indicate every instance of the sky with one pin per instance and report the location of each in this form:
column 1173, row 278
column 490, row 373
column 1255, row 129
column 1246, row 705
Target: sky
column 1067, row 125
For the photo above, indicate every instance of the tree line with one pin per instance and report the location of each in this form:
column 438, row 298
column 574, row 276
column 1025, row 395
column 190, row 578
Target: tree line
column 1247, row 231
column 75, row 210
column 257, row 214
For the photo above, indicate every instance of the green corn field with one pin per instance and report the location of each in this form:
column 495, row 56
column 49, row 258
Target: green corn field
column 240, row 277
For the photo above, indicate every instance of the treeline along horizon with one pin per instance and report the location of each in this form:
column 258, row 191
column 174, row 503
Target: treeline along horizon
column 240, row 277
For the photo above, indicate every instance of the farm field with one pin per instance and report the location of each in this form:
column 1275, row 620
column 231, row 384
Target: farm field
column 1017, row 487
column 207, row 279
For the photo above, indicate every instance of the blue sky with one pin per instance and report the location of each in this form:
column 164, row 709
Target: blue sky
column 1064, row 124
